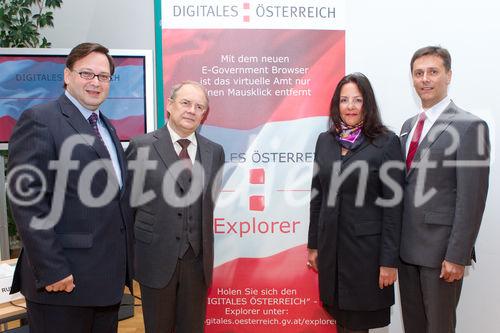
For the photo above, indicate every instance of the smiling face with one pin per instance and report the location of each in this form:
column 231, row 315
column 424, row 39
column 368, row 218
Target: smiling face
column 89, row 93
column 430, row 79
column 187, row 109
column 351, row 104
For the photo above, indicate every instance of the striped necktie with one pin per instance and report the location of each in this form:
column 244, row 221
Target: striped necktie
column 93, row 122
column 183, row 154
column 415, row 140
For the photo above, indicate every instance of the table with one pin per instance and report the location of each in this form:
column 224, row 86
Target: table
column 15, row 310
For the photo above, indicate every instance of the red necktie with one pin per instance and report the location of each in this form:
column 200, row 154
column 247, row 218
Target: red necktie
column 415, row 140
column 183, row 154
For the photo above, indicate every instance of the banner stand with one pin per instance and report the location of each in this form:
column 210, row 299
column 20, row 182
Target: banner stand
column 4, row 226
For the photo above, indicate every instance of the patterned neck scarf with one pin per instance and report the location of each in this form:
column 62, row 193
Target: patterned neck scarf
column 350, row 137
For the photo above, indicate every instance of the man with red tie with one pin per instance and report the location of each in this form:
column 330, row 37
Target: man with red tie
column 447, row 168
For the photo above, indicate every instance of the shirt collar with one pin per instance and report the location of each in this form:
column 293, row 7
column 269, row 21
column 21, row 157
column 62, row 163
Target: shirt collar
column 84, row 111
column 435, row 111
column 173, row 134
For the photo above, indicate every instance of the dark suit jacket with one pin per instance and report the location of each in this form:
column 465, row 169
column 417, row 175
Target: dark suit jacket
column 354, row 241
column 93, row 244
column 157, row 240
column 446, row 225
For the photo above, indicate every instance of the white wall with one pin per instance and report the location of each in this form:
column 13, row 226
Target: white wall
column 116, row 24
column 381, row 38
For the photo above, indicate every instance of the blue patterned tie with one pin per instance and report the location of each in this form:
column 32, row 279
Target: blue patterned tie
column 93, row 122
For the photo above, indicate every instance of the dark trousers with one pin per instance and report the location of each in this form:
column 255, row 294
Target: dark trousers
column 341, row 329
column 181, row 305
column 428, row 303
column 46, row 318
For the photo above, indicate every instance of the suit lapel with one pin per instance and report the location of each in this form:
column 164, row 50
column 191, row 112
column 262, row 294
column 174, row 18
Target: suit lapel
column 406, row 131
column 349, row 157
column 438, row 128
column 80, row 125
column 117, row 144
column 165, row 149
column 335, row 154
column 332, row 155
column 206, row 154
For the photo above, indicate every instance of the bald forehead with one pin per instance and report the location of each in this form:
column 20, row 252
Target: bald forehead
column 190, row 88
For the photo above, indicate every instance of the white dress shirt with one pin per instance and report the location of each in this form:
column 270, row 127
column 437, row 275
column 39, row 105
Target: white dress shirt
column 192, row 146
column 103, row 131
column 431, row 115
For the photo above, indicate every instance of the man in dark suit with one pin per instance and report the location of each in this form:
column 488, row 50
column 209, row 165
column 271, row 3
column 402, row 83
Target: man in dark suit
column 447, row 158
column 74, row 219
column 174, row 218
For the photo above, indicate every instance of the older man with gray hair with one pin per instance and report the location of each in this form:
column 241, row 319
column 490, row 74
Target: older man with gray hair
column 174, row 237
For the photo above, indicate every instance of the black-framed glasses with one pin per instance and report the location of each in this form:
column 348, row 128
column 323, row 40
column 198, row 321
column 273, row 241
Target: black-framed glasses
column 90, row 76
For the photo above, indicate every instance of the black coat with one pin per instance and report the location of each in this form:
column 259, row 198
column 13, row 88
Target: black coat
column 356, row 239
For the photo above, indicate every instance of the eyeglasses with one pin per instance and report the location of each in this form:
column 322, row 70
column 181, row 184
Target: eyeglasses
column 187, row 104
column 90, row 76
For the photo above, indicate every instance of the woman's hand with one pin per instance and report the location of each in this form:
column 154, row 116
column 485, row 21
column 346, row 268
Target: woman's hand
column 312, row 259
column 387, row 276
